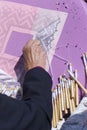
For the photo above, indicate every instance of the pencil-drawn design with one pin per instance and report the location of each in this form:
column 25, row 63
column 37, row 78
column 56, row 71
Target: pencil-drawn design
column 46, row 35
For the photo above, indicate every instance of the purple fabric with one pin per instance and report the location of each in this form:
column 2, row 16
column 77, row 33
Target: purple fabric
column 14, row 47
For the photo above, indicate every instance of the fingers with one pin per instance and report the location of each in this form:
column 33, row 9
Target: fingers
column 27, row 45
column 34, row 54
column 34, row 45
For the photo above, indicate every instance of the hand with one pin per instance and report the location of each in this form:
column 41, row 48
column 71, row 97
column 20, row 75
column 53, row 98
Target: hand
column 34, row 55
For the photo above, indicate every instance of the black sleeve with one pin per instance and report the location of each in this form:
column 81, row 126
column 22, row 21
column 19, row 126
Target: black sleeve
column 34, row 112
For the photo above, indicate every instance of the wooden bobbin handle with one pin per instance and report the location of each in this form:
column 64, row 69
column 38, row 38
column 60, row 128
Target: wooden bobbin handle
column 80, row 85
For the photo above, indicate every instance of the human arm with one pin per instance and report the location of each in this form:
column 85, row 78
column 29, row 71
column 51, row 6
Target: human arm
column 34, row 112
